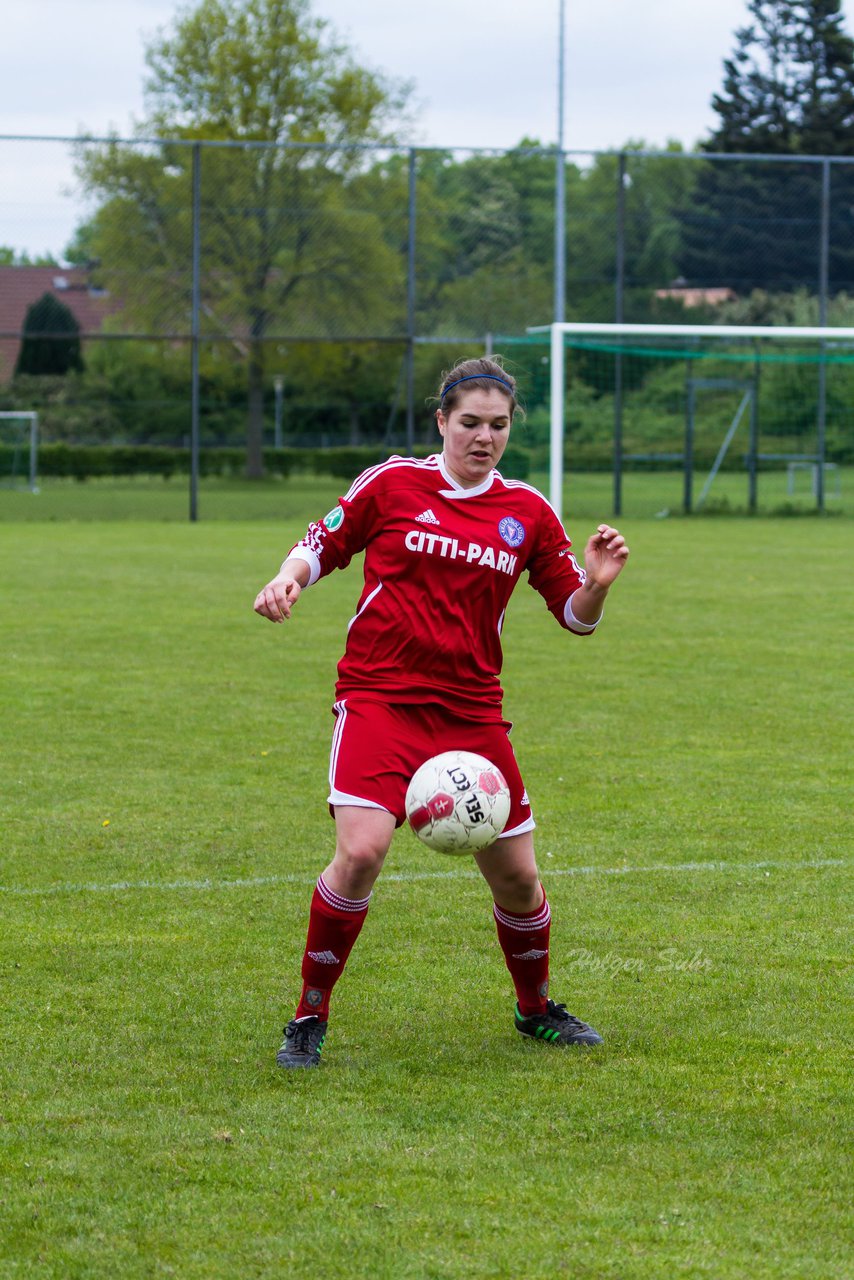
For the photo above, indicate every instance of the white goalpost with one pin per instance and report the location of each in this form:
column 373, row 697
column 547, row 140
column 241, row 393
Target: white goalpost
column 25, row 443
column 561, row 335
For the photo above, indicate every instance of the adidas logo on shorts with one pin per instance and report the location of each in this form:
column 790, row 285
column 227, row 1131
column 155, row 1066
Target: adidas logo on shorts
column 427, row 517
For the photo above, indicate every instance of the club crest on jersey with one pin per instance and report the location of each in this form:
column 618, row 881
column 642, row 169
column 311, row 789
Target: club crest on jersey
column 511, row 531
column 334, row 520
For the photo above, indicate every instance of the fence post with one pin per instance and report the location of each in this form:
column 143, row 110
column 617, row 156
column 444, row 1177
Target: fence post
column 194, row 333
column 688, row 459
column 823, row 273
column 560, row 240
column 410, row 309
column 619, row 292
column 560, row 186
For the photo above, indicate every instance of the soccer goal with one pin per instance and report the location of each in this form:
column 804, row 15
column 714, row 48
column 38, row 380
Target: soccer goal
column 701, row 399
column 19, row 445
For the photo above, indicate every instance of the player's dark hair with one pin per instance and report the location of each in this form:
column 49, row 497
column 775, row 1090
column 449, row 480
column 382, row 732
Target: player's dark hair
column 482, row 374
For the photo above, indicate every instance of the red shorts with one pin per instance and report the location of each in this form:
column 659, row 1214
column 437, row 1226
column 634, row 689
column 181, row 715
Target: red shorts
column 376, row 749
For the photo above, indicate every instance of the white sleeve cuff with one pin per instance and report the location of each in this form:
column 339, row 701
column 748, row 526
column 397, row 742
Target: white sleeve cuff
column 304, row 553
column 580, row 628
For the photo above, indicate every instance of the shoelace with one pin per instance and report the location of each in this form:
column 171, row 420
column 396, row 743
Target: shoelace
column 559, row 1011
column 301, row 1036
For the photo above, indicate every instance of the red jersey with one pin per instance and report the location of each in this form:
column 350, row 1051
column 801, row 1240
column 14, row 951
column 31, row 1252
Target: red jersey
column 441, row 563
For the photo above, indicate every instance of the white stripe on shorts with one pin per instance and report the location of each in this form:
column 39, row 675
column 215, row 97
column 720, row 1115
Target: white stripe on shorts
column 343, row 797
column 340, row 710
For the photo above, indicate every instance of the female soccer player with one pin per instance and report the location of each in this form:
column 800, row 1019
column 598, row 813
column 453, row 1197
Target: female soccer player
column 446, row 539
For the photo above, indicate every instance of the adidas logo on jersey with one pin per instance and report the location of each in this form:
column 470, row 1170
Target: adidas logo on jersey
column 426, row 517
column 533, row 954
column 324, row 957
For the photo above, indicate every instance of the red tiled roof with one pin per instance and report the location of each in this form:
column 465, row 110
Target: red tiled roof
column 20, row 287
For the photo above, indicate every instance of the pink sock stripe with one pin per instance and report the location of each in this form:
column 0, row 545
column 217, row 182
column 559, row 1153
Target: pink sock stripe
column 333, row 899
column 536, row 920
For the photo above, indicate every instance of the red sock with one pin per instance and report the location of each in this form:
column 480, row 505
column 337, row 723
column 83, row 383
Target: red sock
column 525, row 942
column 334, row 924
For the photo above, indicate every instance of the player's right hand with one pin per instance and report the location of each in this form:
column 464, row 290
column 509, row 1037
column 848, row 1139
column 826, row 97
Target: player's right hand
column 276, row 600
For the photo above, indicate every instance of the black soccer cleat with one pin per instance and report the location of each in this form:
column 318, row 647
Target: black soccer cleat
column 556, row 1026
column 303, row 1043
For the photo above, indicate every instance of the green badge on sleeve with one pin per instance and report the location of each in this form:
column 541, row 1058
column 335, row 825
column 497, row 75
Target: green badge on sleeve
column 334, row 520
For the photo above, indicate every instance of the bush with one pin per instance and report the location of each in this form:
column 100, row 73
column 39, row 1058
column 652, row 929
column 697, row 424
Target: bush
column 84, row 462
column 516, row 463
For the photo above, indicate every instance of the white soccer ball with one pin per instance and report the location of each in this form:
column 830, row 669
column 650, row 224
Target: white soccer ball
column 458, row 802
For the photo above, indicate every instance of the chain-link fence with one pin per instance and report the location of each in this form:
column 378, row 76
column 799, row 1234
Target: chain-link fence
column 257, row 295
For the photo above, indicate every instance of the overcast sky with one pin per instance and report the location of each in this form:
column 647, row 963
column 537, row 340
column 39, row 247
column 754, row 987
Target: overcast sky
column 485, row 74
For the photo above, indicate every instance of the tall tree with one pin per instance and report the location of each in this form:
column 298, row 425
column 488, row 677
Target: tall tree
column 51, row 342
column 283, row 243
column 788, row 89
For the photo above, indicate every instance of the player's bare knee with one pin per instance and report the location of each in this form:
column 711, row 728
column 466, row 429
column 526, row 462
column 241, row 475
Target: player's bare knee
column 517, row 888
column 361, row 860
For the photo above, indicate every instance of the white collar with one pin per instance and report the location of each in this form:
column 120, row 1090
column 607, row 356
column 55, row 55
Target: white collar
column 457, row 490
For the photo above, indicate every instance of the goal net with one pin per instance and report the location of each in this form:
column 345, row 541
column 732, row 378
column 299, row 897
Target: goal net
column 702, row 402
column 19, row 436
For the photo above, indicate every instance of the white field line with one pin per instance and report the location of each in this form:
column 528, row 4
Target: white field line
column 260, row 882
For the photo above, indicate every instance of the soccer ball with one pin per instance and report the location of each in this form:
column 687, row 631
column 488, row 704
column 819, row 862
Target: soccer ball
column 458, row 802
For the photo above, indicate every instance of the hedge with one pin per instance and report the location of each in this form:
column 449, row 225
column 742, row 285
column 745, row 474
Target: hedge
column 83, row 462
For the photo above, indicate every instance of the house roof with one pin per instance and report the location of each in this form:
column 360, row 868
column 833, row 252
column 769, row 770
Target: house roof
column 697, row 296
column 20, row 287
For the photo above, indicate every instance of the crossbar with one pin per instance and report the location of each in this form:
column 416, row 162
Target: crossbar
column 794, row 333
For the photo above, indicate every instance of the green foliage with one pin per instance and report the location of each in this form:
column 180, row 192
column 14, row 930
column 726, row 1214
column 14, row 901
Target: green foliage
column 10, row 257
column 83, row 462
column 486, row 237
column 787, row 90
column 264, row 70
column 51, row 342
column 515, row 463
column 788, row 86
column 341, row 391
column 80, row 250
column 798, row 308
column 279, row 224
column 485, row 229
column 303, row 252
column 654, row 403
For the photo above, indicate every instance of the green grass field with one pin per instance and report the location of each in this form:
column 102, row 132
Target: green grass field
column 163, row 822
column 588, row 495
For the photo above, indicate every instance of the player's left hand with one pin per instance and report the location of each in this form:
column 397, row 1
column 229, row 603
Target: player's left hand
column 604, row 556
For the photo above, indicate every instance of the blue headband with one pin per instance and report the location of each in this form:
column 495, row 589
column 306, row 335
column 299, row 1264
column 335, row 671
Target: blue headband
column 473, row 377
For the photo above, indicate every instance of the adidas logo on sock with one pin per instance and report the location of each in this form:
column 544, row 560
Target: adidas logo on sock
column 426, row 517
column 530, row 955
column 324, row 957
